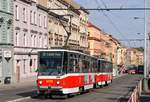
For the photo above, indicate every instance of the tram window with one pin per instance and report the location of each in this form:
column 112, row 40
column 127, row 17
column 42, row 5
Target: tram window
column 65, row 62
column 95, row 69
column 73, row 66
column 85, row 66
column 92, row 66
column 103, row 66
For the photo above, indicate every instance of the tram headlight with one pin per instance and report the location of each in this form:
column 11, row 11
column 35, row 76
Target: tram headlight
column 40, row 82
column 58, row 82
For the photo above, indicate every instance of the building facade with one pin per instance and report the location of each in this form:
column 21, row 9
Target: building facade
column 30, row 35
column 83, row 30
column 135, row 57
column 95, row 41
column 6, row 40
column 103, row 45
column 62, row 22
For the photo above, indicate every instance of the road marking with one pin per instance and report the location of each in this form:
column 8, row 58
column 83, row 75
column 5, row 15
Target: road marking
column 20, row 99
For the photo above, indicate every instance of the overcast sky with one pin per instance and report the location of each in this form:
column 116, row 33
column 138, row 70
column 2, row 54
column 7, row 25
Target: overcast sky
column 120, row 24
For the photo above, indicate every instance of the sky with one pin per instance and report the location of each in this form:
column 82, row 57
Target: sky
column 120, row 24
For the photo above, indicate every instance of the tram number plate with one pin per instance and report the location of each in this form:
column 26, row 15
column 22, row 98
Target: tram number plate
column 49, row 81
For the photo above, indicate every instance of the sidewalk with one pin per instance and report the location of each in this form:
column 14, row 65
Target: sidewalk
column 31, row 81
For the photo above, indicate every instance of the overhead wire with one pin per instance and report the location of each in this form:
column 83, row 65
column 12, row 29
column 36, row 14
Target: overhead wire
column 112, row 23
column 111, row 14
column 103, row 3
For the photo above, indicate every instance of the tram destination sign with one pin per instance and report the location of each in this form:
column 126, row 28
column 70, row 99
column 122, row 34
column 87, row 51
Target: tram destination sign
column 51, row 54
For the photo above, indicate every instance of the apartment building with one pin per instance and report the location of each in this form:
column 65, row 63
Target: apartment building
column 83, row 30
column 102, row 45
column 122, row 56
column 30, row 35
column 135, row 56
column 63, row 22
column 6, row 40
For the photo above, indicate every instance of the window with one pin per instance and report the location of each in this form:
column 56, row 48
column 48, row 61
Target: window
column 9, row 7
column 56, row 39
column 24, row 40
column 34, row 65
column 24, row 15
column 24, row 66
column 30, row 65
column 17, row 39
column 73, row 64
column 34, row 40
column 31, row 21
column 85, row 65
column 17, row 12
column 40, row 22
column 34, row 17
column 50, row 38
column 45, row 41
column 40, row 41
column 60, row 40
column 50, row 63
column 45, row 22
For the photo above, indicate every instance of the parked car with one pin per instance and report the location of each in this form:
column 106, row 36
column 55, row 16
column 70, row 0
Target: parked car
column 132, row 69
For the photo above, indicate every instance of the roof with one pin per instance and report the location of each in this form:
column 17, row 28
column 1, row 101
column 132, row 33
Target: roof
column 92, row 25
column 83, row 9
column 65, row 50
column 72, row 3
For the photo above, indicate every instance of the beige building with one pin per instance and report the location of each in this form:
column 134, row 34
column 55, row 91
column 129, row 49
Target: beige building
column 83, row 29
column 59, row 24
column 135, row 56
column 121, row 58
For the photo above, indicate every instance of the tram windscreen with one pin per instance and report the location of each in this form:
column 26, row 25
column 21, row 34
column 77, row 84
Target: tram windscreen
column 50, row 63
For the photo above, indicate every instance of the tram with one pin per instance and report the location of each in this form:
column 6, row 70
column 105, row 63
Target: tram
column 65, row 72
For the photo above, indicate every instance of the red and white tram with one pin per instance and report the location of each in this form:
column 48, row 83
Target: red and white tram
column 65, row 72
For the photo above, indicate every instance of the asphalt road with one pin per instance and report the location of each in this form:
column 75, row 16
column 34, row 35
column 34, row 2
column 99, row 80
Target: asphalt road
column 118, row 91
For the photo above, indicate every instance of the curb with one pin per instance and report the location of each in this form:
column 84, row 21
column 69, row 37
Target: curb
column 26, row 82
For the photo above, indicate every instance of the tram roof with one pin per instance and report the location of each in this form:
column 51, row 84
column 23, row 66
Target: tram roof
column 65, row 50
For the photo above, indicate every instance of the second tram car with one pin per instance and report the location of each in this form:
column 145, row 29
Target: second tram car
column 65, row 72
